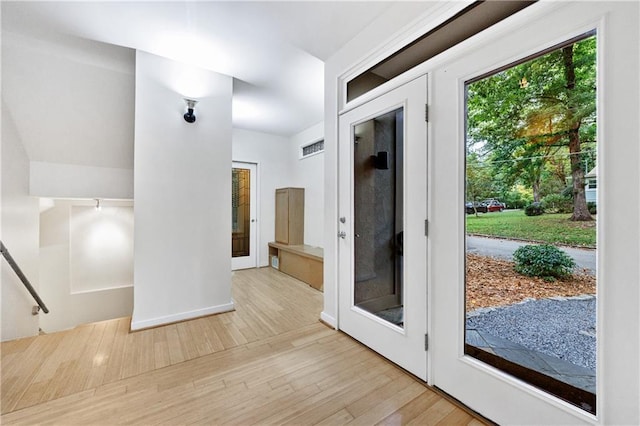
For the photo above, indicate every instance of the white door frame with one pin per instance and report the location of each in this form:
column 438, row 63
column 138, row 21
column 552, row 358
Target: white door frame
column 495, row 394
column 403, row 345
column 250, row 261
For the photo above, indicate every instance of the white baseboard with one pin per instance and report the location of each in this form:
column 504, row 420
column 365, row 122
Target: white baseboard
column 329, row 320
column 182, row 316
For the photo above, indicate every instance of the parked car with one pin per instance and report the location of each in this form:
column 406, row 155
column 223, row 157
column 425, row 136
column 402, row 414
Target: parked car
column 494, row 205
column 479, row 207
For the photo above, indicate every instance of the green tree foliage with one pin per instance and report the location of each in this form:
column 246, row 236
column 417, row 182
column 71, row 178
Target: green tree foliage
column 534, row 121
column 479, row 180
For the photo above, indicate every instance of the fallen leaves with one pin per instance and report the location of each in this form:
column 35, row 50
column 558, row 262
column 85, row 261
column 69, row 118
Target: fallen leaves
column 494, row 282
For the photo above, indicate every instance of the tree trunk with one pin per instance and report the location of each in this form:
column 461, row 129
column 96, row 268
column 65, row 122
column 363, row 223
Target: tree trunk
column 580, row 209
column 536, row 190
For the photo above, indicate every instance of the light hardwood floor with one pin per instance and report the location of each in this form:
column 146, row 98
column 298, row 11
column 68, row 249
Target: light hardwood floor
column 269, row 362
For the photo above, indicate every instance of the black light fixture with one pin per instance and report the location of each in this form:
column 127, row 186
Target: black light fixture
column 189, row 116
column 380, row 161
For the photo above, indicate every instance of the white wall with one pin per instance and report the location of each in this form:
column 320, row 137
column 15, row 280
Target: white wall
column 55, row 180
column 273, row 155
column 182, row 171
column 101, row 247
column 19, row 230
column 308, row 173
column 72, row 99
column 76, row 291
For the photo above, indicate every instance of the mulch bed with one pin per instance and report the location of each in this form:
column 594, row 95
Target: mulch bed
column 494, row 282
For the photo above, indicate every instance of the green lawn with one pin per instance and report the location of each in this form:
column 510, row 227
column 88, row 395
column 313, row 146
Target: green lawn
column 549, row 228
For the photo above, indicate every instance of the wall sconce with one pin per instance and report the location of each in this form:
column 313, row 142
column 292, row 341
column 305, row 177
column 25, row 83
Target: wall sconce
column 189, row 116
column 380, row 161
column 98, row 206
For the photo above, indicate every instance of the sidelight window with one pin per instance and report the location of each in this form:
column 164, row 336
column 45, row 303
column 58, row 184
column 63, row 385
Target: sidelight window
column 530, row 282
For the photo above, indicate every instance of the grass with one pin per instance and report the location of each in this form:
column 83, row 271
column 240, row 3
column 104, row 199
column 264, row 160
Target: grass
column 549, row 228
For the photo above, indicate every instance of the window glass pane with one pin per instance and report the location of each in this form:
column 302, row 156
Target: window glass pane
column 240, row 211
column 378, row 213
column 530, row 224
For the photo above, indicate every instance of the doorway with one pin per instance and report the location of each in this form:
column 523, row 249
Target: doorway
column 382, row 181
column 243, row 215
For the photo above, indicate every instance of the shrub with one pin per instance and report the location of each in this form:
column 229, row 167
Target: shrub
column 546, row 261
column 533, row 209
column 592, row 207
column 557, row 203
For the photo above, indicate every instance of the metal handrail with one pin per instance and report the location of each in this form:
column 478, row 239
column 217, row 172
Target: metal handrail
column 22, row 277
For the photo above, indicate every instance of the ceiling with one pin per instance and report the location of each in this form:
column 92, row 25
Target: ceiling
column 274, row 50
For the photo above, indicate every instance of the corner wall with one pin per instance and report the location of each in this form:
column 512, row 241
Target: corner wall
column 182, row 187
column 20, row 230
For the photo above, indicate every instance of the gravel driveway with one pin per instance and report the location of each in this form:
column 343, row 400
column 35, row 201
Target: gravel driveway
column 560, row 327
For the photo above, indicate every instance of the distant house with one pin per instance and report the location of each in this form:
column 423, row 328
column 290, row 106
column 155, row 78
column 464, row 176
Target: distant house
column 591, row 186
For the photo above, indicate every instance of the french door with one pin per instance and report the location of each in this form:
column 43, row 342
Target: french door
column 243, row 213
column 382, row 213
column 505, row 380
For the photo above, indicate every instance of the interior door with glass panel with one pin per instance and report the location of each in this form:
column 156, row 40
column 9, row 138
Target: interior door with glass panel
column 382, row 194
column 243, row 216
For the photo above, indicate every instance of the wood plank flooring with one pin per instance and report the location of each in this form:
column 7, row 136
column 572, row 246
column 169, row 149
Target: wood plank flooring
column 269, row 362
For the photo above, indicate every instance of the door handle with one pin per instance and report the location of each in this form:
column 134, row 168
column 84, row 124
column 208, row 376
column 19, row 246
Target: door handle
column 342, row 234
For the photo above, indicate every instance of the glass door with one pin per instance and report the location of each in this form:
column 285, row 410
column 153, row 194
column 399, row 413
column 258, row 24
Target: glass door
column 382, row 287
column 531, row 140
column 518, row 266
column 243, row 216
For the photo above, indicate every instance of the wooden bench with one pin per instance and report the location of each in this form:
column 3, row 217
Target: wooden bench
column 302, row 261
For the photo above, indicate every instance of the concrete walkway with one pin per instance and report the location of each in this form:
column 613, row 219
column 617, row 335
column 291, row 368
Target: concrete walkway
column 501, row 248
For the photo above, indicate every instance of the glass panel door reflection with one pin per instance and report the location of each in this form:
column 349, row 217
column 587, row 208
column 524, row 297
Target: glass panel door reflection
column 378, row 216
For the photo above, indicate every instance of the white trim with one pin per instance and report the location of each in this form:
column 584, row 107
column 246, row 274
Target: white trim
column 169, row 319
column 328, row 319
column 519, row 384
column 413, row 30
column 512, row 22
column 98, row 290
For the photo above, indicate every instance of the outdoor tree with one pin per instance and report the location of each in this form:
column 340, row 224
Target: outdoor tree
column 538, row 115
column 479, row 180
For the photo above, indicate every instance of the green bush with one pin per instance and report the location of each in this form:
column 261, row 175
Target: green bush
column 546, row 261
column 533, row 209
column 592, row 207
column 557, row 203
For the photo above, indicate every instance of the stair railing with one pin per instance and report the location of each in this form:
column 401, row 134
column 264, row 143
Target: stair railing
column 23, row 278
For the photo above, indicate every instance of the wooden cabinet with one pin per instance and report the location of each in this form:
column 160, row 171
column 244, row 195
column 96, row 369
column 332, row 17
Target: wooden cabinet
column 290, row 216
